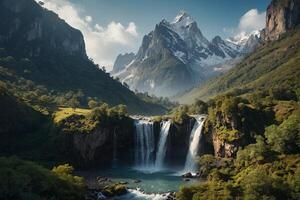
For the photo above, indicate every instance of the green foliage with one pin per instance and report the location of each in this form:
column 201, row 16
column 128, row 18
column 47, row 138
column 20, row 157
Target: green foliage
column 208, row 190
column 63, row 113
column 285, row 138
column 207, row 163
column 16, row 116
column 198, row 107
column 267, row 169
column 226, row 114
column 256, row 183
column 46, row 85
column 228, row 135
column 164, row 101
column 114, row 190
column 86, row 121
column 74, row 103
column 272, row 180
column 280, row 93
column 65, row 171
column 103, row 112
column 276, row 179
column 78, row 124
column 253, row 153
column 27, row 180
column 92, row 104
column 180, row 114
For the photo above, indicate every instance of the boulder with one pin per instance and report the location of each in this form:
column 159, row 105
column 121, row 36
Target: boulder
column 187, row 175
column 137, row 181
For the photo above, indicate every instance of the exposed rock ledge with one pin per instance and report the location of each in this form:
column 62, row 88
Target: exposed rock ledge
column 282, row 15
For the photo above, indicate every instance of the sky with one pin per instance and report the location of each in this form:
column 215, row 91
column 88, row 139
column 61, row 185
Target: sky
column 111, row 27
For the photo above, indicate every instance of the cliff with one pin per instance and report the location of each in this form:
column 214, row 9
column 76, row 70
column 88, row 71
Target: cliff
column 99, row 145
column 232, row 124
column 36, row 31
column 282, row 15
column 102, row 144
column 178, row 142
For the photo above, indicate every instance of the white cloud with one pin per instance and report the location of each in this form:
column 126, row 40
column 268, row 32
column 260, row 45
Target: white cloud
column 103, row 44
column 88, row 18
column 252, row 20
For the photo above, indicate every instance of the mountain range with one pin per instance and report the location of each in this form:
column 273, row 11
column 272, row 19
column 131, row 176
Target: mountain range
column 176, row 56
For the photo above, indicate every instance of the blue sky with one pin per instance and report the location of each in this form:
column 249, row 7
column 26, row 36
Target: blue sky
column 211, row 15
column 111, row 27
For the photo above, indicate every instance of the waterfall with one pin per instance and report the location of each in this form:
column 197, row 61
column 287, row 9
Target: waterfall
column 190, row 163
column 144, row 144
column 162, row 144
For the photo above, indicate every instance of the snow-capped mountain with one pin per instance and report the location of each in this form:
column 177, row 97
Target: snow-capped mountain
column 174, row 57
column 246, row 42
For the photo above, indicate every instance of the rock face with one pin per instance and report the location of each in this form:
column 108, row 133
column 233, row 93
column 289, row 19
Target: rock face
column 101, row 146
column 38, row 32
column 178, row 142
column 122, row 61
column 229, row 131
column 282, row 15
column 223, row 147
column 104, row 145
column 252, row 43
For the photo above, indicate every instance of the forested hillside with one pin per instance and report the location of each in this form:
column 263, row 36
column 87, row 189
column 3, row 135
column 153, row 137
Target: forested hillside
column 42, row 52
column 274, row 65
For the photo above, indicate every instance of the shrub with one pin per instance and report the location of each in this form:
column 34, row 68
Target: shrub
column 27, row 180
column 285, row 138
column 206, row 163
column 92, row 104
column 253, row 153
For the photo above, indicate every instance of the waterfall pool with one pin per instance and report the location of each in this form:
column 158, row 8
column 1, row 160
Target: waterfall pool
column 143, row 185
column 148, row 179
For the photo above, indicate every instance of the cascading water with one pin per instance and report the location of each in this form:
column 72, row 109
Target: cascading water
column 162, row 145
column 144, row 144
column 190, row 163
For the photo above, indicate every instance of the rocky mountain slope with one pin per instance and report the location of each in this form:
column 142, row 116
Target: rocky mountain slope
column 122, row 61
column 53, row 55
column 275, row 64
column 175, row 57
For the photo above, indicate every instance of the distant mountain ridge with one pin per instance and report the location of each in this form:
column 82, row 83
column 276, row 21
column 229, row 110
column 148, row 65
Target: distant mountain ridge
column 174, row 57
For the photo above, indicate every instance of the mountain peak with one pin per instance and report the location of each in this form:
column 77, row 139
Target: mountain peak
column 243, row 37
column 217, row 39
column 183, row 18
column 164, row 22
